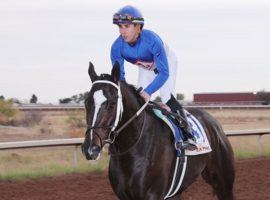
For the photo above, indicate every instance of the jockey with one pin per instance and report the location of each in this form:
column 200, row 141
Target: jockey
column 157, row 63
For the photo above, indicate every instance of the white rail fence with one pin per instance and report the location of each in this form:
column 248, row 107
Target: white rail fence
column 81, row 107
column 75, row 142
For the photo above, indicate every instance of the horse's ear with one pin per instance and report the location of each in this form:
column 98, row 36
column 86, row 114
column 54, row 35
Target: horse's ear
column 92, row 73
column 116, row 72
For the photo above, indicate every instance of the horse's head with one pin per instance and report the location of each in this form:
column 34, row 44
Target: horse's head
column 103, row 111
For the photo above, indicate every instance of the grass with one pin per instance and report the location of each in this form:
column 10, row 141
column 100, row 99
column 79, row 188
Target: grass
column 238, row 154
column 250, row 146
column 18, row 165
column 49, row 170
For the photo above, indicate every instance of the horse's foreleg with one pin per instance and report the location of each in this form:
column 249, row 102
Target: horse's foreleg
column 177, row 197
column 158, row 197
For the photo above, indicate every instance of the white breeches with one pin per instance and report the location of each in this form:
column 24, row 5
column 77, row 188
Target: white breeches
column 145, row 77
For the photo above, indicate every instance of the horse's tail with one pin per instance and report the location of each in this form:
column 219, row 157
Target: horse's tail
column 220, row 170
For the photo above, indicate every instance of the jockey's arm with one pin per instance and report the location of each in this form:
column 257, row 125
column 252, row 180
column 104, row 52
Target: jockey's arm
column 161, row 62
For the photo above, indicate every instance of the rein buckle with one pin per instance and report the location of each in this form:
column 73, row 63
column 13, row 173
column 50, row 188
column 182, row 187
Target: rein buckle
column 112, row 136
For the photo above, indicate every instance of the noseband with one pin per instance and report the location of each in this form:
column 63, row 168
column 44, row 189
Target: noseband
column 119, row 110
column 114, row 133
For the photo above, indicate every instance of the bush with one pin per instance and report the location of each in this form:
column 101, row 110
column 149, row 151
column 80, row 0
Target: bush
column 77, row 124
column 264, row 97
column 31, row 118
column 76, row 120
column 7, row 112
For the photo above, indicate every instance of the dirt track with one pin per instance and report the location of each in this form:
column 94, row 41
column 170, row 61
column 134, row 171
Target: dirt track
column 252, row 182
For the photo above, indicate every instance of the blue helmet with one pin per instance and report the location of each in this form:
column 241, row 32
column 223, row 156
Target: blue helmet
column 128, row 14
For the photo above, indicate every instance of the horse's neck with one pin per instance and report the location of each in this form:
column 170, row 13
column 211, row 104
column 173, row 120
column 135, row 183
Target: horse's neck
column 130, row 102
column 138, row 133
column 133, row 131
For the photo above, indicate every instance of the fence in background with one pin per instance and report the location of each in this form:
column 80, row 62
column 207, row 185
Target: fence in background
column 75, row 142
column 42, row 107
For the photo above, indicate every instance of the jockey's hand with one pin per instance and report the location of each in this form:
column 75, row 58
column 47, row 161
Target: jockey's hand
column 164, row 106
column 145, row 96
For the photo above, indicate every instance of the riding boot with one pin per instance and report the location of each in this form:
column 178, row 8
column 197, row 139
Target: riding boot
column 182, row 120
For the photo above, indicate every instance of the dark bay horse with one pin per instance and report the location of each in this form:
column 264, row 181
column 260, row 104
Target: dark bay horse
column 143, row 157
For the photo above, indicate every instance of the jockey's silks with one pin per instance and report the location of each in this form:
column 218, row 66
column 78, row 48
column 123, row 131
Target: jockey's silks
column 148, row 52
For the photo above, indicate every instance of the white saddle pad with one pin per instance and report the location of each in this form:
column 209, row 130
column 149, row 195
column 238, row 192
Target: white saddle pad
column 199, row 133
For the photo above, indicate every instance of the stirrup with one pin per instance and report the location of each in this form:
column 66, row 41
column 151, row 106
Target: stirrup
column 190, row 145
column 180, row 121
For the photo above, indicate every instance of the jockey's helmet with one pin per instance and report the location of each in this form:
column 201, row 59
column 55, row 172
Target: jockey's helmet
column 128, row 15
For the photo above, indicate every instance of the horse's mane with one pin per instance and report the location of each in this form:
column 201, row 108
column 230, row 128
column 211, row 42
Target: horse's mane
column 133, row 90
column 129, row 88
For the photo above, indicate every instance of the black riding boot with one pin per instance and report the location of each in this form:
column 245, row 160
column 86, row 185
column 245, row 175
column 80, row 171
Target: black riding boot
column 176, row 107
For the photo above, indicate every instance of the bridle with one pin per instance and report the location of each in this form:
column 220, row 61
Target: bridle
column 114, row 133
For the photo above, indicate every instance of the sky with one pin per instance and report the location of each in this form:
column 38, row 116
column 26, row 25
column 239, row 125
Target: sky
column 46, row 45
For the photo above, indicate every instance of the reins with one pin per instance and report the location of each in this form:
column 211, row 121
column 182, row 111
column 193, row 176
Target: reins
column 137, row 141
column 114, row 133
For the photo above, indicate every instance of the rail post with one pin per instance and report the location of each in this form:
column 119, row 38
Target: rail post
column 75, row 158
column 260, row 145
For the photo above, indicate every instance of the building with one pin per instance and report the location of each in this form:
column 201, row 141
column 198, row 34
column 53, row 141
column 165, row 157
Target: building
column 227, row 98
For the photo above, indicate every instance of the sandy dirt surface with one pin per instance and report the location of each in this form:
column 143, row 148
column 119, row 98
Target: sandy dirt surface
column 252, row 182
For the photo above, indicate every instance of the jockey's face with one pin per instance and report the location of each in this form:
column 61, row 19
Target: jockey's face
column 129, row 32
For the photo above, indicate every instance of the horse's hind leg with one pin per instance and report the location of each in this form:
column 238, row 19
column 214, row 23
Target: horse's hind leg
column 219, row 173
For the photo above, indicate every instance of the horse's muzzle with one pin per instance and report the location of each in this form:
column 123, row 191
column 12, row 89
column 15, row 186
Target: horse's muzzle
column 91, row 152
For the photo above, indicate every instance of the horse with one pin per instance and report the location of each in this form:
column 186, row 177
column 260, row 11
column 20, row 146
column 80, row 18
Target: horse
column 142, row 154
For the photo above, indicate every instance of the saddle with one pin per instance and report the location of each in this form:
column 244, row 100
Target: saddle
column 177, row 131
column 169, row 118
column 181, row 153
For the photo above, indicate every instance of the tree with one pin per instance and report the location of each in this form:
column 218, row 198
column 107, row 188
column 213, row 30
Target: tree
column 33, row 99
column 2, row 97
column 180, row 96
column 15, row 101
column 157, row 99
column 77, row 98
column 7, row 112
column 65, row 100
column 264, row 97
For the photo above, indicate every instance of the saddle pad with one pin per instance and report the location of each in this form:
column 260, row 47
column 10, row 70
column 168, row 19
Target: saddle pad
column 177, row 133
column 197, row 130
column 199, row 133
